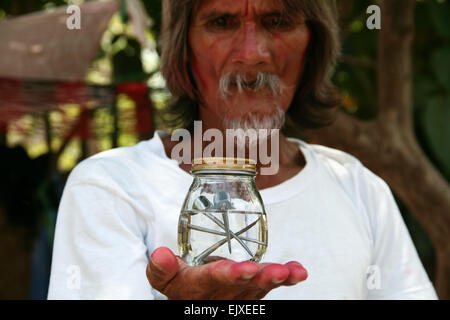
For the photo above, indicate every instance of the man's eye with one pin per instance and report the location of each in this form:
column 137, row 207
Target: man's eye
column 277, row 22
column 220, row 22
column 223, row 22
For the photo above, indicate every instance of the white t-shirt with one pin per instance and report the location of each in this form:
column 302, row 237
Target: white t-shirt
column 335, row 217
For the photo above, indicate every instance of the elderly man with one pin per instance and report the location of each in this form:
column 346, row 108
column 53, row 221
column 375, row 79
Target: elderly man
column 335, row 231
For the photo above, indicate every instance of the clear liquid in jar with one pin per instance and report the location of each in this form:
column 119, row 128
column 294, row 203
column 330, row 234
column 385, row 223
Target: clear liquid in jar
column 205, row 236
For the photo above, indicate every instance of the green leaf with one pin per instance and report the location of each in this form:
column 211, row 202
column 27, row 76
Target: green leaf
column 440, row 64
column 437, row 130
column 440, row 13
column 424, row 88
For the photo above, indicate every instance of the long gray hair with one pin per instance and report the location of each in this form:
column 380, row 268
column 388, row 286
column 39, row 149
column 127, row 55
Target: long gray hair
column 316, row 97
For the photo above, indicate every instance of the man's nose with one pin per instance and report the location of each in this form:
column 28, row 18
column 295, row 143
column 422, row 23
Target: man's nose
column 252, row 46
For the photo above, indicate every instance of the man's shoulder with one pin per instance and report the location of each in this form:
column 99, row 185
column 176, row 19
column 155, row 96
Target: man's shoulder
column 335, row 156
column 333, row 160
column 347, row 170
column 113, row 164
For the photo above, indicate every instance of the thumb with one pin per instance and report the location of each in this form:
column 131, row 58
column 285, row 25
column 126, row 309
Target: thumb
column 162, row 268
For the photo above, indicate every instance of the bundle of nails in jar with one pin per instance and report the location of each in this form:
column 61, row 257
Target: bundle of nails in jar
column 223, row 215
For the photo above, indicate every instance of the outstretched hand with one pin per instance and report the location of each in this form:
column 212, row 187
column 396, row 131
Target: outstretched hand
column 223, row 279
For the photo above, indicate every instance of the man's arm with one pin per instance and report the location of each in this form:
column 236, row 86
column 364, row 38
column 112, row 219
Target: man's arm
column 395, row 259
column 99, row 251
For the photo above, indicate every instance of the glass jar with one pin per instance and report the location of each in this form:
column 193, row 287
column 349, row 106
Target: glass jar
column 223, row 215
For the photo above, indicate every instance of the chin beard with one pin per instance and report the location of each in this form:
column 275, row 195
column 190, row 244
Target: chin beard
column 251, row 124
column 255, row 120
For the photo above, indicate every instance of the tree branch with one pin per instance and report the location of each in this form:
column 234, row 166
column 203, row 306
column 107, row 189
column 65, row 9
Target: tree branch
column 395, row 60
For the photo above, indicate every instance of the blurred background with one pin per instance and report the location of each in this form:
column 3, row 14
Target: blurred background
column 66, row 94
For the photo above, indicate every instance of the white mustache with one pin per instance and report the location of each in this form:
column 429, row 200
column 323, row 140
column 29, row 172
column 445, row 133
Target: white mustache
column 244, row 83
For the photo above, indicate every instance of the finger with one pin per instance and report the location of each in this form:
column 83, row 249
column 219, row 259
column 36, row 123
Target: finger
column 200, row 282
column 216, row 276
column 243, row 271
column 297, row 273
column 228, row 272
column 271, row 276
column 162, row 268
column 231, row 280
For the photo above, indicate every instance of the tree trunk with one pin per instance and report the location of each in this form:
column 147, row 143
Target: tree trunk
column 387, row 145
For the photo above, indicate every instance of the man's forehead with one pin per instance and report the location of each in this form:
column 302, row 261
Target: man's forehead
column 239, row 7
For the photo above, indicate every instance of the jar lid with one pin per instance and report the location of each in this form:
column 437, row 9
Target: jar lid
column 219, row 163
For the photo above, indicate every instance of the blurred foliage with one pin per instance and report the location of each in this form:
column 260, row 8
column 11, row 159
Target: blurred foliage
column 356, row 74
column 16, row 8
column 432, row 81
column 154, row 9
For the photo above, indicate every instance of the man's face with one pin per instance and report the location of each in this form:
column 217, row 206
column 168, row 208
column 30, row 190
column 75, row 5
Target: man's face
column 246, row 37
